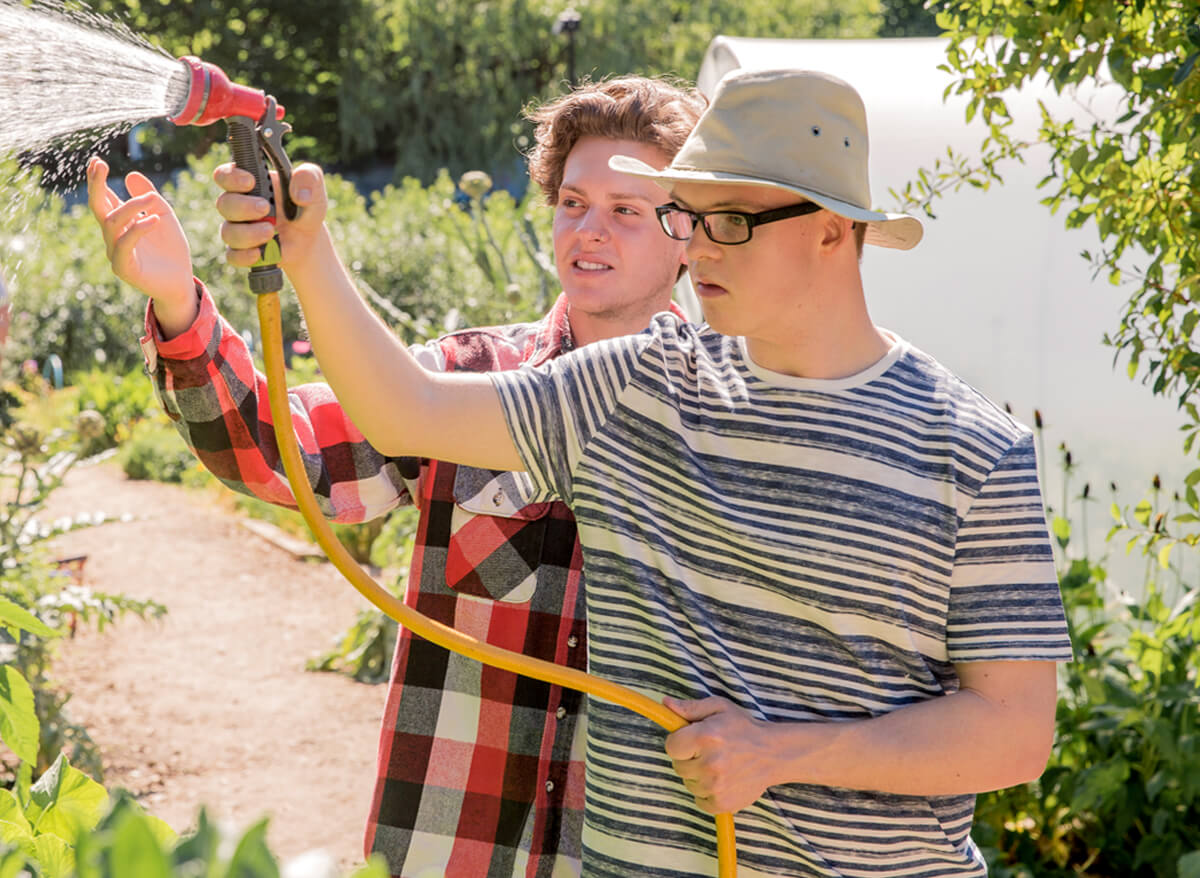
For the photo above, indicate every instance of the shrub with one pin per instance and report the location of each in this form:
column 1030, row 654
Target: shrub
column 154, row 451
column 1121, row 792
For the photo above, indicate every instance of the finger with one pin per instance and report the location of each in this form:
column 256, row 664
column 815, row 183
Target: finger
column 101, row 199
column 308, row 185
column 237, row 208
column 127, row 212
column 246, row 236
column 231, row 178
column 681, row 745
column 241, row 258
column 139, row 184
column 694, row 710
column 123, row 246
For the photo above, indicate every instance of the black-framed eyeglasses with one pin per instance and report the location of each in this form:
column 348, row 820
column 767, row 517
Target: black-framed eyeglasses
column 724, row 226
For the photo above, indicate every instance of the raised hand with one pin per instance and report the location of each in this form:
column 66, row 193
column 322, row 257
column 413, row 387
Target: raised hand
column 145, row 244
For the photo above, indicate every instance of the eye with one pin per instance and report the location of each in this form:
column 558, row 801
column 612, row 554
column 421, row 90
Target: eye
column 569, row 201
column 736, row 220
column 627, row 211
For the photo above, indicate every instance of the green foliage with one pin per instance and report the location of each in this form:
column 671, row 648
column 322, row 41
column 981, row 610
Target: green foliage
column 67, row 824
column 66, row 301
column 443, row 85
column 429, row 86
column 41, row 591
column 428, row 259
column 1121, row 792
column 908, row 18
column 122, row 401
column 364, row 651
column 292, row 49
column 155, row 451
column 1135, row 177
column 430, row 263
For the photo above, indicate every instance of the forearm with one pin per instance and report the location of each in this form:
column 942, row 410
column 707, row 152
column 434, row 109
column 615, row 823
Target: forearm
column 967, row 742
column 401, row 408
column 208, row 369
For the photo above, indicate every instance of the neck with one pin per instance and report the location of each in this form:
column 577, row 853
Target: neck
column 828, row 337
column 592, row 326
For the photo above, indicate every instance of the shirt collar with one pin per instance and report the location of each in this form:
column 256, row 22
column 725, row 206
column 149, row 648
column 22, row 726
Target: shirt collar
column 554, row 337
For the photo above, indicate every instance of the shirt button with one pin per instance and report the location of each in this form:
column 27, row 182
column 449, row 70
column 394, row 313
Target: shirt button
column 498, row 500
column 549, row 786
column 572, row 641
column 561, row 712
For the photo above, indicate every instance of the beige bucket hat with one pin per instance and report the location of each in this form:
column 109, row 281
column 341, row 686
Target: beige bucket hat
column 797, row 130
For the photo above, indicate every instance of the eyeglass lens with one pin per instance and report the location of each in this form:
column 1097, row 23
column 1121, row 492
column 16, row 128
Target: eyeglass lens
column 724, row 228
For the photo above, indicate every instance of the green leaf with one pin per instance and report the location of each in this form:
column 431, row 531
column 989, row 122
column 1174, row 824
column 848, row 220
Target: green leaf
column 13, row 616
column 1189, row 865
column 136, row 849
column 14, row 828
column 253, row 859
column 1164, row 556
column 1185, row 69
column 376, row 867
column 55, row 857
column 1061, row 529
column 18, row 721
column 13, row 863
column 1099, row 783
column 1142, row 513
column 69, row 800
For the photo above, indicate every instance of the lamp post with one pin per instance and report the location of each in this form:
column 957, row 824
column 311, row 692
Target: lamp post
column 568, row 23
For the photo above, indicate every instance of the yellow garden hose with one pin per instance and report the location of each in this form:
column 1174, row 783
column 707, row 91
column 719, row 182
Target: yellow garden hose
column 272, row 341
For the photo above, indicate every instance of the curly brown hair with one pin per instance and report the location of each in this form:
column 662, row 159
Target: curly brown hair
column 655, row 111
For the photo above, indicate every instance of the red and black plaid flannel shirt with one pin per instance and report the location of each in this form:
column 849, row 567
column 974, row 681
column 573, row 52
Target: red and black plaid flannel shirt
column 480, row 771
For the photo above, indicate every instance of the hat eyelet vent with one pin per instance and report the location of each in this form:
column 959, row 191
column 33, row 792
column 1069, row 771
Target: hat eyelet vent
column 816, row 130
column 846, row 141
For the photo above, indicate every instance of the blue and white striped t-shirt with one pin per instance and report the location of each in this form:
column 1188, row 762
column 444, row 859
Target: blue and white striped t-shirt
column 811, row 550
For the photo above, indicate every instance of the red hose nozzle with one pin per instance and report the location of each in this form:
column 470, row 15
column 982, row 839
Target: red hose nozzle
column 211, row 96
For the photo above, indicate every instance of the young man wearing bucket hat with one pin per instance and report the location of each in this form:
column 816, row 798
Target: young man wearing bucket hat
column 480, row 772
column 805, row 535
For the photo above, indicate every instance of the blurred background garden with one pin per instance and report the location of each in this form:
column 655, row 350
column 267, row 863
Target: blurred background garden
column 415, row 110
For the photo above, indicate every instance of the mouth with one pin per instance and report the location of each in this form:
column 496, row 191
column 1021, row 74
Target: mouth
column 588, row 265
column 708, row 290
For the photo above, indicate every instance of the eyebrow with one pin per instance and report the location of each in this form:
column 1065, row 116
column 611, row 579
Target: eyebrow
column 734, row 205
column 612, row 196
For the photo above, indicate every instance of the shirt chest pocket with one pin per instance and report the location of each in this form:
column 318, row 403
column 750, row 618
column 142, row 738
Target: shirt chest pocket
column 496, row 538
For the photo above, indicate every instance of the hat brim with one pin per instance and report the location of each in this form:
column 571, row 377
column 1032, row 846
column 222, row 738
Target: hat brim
column 896, row 230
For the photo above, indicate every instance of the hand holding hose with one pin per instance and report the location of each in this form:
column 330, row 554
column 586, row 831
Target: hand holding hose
column 724, row 755
column 245, row 231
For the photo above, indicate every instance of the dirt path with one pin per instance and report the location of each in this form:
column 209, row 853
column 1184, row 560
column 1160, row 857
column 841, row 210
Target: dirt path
column 212, row 705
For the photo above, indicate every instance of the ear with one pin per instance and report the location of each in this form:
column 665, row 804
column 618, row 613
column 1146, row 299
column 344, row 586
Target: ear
column 836, row 231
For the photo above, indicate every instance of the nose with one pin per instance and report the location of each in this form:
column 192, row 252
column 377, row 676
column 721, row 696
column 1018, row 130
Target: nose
column 700, row 246
column 593, row 225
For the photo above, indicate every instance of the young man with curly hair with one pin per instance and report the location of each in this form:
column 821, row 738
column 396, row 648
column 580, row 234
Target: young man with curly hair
column 480, row 772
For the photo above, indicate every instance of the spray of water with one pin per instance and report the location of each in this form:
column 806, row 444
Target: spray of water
column 68, row 78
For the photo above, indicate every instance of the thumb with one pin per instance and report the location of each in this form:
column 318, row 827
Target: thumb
column 694, row 710
column 308, row 191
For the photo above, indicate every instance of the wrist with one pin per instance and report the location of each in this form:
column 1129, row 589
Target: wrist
column 309, row 254
column 177, row 312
